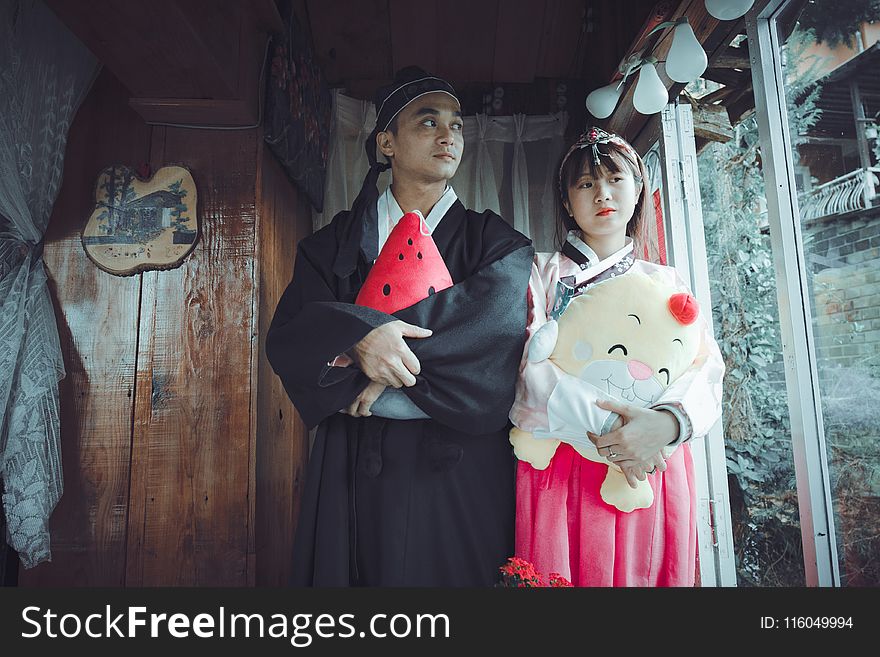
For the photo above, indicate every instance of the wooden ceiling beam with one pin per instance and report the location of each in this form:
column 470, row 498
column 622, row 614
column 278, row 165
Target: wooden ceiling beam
column 183, row 61
column 466, row 39
column 560, row 36
column 726, row 76
column 715, row 96
column 743, row 107
column 517, row 41
column 353, row 39
column 732, row 58
column 414, row 42
column 709, row 31
column 712, row 123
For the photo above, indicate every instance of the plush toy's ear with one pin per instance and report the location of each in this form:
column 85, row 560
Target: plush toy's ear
column 543, row 342
column 684, row 308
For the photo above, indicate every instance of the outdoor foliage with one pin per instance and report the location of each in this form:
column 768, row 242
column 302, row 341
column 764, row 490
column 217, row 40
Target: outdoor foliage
column 850, row 405
column 764, row 502
column 836, row 23
column 759, row 460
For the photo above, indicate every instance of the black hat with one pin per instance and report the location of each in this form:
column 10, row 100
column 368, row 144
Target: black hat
column 409, row 83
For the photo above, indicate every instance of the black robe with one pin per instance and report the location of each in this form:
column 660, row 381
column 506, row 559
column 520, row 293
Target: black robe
column 408, row 502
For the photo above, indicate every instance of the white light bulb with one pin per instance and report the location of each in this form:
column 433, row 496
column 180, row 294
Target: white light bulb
column 651, row 95
column 728, row 10
column 602, row 101
column 686, row 59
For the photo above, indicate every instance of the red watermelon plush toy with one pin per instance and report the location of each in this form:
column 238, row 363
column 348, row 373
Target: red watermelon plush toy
column 409, row 268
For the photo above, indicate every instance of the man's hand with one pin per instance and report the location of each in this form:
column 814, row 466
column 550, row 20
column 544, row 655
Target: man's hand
column 360, row 407
column 644, row 432
column 384, row 356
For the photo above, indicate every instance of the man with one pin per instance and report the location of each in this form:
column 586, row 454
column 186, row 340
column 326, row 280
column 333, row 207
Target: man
column 427, row 500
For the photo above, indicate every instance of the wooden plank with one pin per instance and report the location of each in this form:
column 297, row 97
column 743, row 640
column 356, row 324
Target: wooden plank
column 726, row 76
column 712, row 123
column 611, row 29
column 517, row 40
column 718, row 48
column 560, row 33
column 466, row 51
column 414, row 35
column 97, row 322
column 268, row 18
column 244, row 110
column 352, row 39
column 642, row 42
column 138, row 497
column 283, row 218
column 161, row 49
column 733, row 58
column 709, row 32
column 742, row 108
column 216, row 48
column 185, row 61
column 253, row 61
column 718, row 94
column 192, row 415
column 198, row 111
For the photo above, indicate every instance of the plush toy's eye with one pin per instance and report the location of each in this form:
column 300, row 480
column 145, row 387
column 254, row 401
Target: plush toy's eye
column 662, row 370
column 621, row 347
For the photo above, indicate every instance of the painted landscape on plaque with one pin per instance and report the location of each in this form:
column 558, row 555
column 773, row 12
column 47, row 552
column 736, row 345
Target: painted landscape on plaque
column 138, row 224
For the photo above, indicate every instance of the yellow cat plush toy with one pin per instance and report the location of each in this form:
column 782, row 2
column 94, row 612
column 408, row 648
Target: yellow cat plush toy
column 629, row 337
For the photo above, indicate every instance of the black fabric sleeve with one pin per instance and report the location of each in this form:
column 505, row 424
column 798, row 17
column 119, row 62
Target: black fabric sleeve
column 309, row 329
column 470, row 363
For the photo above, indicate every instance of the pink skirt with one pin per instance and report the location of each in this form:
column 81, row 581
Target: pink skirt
column 563, row 526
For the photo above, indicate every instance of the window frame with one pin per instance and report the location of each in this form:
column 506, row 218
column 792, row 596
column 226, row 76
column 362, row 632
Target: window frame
column 795, row 316
column 686, row 251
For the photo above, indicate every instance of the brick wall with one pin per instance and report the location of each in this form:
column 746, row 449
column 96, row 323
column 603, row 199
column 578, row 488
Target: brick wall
column 844, row 256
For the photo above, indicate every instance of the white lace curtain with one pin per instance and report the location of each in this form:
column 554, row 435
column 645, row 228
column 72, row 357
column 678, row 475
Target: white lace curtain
column 509, row 166
column 44, row 73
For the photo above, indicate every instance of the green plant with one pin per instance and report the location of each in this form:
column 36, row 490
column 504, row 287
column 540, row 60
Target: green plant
column 756, row 427
column 837, row 22
column 755, row 423
column 758, row 442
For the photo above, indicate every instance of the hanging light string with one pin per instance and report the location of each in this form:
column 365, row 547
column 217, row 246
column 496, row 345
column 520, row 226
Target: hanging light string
column 685, row 62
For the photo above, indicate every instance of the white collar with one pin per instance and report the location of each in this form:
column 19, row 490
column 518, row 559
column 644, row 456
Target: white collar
column 389, row 213
column 595, row 266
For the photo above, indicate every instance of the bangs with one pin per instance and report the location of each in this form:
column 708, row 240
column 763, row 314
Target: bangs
column 611, row 160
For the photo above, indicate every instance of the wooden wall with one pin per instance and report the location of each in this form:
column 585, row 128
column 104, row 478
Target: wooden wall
column 283, row 441
column 181, row 452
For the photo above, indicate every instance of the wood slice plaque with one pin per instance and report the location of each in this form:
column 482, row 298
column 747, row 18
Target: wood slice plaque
column 142, row 224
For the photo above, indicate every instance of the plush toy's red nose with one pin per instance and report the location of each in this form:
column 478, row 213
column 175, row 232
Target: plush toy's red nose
column 684, row 308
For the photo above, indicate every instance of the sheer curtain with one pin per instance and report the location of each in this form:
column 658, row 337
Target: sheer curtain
column 509, row 166
column 44, row 74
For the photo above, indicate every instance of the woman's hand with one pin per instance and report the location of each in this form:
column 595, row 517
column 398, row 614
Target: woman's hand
column 640, row 437
column 640, row 471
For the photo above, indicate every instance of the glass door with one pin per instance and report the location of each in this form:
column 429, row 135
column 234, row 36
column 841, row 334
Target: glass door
column 818, row 69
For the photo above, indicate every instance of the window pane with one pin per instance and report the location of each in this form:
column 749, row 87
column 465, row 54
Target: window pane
column 833, row 92
column 764, row 508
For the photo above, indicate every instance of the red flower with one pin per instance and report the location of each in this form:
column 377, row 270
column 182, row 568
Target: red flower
column 558, row 581
column 519, row 573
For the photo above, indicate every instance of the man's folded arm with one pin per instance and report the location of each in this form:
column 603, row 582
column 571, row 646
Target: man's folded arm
column 309, row 330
